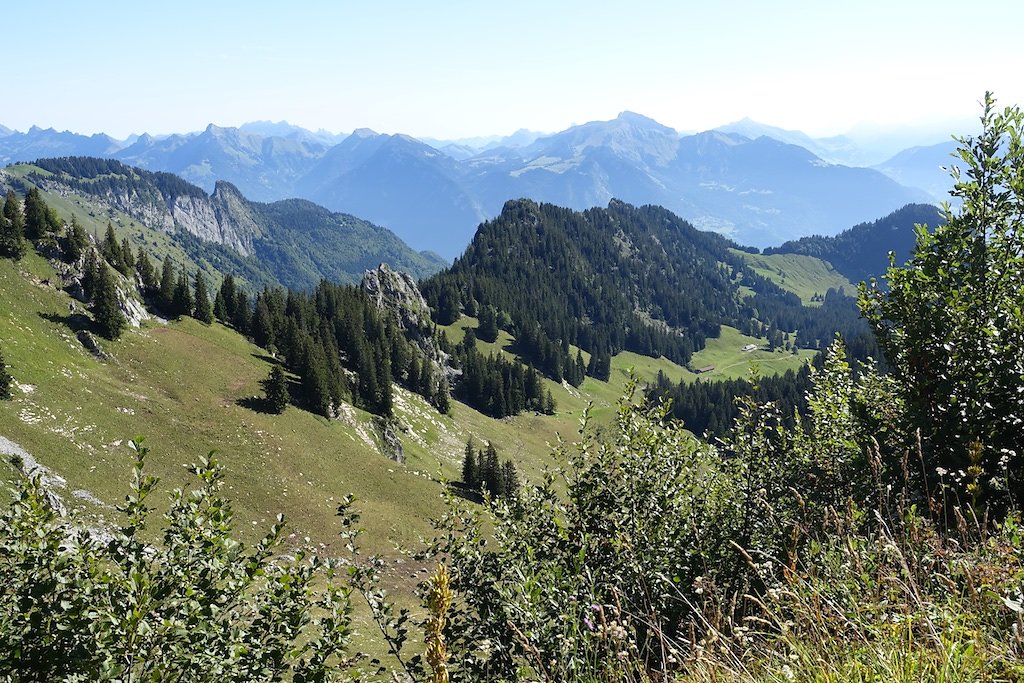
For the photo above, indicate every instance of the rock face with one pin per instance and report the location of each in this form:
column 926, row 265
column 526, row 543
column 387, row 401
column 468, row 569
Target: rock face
column 397, row 293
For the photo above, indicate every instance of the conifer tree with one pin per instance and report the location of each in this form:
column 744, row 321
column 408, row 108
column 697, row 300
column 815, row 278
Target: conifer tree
column 76, row 241
column 5, row 379
column 147, row 273
column 106, row 309
column 470, row 475
column 35, row 215
column 127, row 262
column 182, row 301
column 443, row 399
column 510, row 479
column 488, row 327
column 12, row 228
column 111, row 248
column 264, row 332
column 275, row 388
column 90, row 275
column 167, row 280
column 204, row 312
column 228, row 293
column 491, row 474
column 241, row 315
column 220, row 309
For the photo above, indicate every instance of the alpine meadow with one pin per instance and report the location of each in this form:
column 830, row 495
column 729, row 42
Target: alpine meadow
column 615, row 403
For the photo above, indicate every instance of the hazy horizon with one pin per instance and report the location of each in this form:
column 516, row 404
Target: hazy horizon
column 464, row 69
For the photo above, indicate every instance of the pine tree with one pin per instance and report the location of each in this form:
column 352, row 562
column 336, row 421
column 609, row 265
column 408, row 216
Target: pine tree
column 549, row 404
column 147, row 273
column 106, row 310
column 127, row 264
column 275, row 388
column 491, row 474
column 5, row 380
column 488, row 327
column 241, row 315
column 443, row 399
column 228, row 294
column 510, row 479
column 220, row 308
column 204, row 312
column 182, row 301
column 111, row 248
column 75, row 241
column 470, row 475
column 35, row 215
column 167, row 279
column 12, row 228
column 90, row 275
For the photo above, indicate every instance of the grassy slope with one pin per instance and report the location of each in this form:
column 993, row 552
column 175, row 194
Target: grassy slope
column 805, row 276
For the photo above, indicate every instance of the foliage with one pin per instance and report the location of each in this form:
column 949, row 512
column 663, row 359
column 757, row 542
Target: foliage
column 623, row 278
column 12, row 228
column 76, row 240
column 482, row 469
column 188, row 603
column 203, row 308
column 951, row 322
column 106, row 307
column 275, row 388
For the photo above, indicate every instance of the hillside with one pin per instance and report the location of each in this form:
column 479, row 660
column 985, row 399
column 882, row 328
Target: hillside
column 624, row 278
column 294, row 243
column 189, row 388
column 862, row 251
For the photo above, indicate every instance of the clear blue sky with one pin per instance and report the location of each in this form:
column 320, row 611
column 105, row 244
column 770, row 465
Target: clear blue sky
column 460, row 68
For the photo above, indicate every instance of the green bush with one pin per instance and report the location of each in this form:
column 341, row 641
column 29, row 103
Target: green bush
column 187, row 603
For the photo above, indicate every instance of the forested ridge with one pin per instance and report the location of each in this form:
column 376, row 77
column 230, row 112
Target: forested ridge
column 862, row 252
column 622, row 278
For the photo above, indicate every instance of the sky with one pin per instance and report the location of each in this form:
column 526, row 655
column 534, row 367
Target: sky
column 457, row 69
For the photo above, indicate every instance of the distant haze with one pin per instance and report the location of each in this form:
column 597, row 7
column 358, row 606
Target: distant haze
column 465, row 69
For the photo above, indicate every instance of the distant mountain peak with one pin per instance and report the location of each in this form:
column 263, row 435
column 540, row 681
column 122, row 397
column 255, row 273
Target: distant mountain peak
column 364, row 133
column 633, row 117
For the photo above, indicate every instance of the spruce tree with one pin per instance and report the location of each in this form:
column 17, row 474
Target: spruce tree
column 127, row 264
column 5, row 379
column 147, row 273
column 12, row 228
column 443, row 399
column 491, row 474
column 275, row 388
column 111, row 248
column 35, row 215
column 227, row 293
column 106, row 310
column 510, row 479
column 241, row 315
column 75, row 241
column 182, row 301
column 90, row 275
column 204, row 312
column 220, row 308
column 167, row 279
column 488, row 327
column 470, row 475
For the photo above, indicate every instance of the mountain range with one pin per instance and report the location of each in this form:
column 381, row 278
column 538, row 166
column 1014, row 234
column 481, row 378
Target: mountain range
column 757, row 184
column 291, row 242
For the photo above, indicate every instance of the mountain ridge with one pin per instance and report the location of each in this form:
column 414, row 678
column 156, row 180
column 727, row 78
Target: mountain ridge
column 433, row 198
